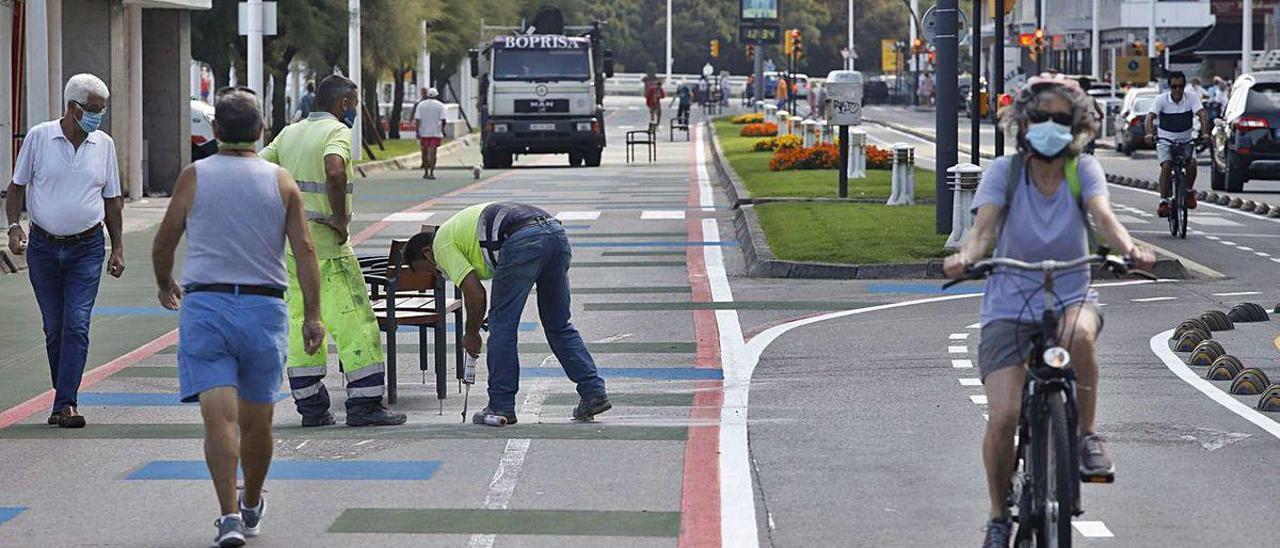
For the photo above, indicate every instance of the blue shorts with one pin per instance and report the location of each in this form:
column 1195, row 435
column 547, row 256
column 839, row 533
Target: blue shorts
column 232, row 340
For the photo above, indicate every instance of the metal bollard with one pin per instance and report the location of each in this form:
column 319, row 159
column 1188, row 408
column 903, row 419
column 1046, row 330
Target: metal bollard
column 784, row 123
column 826, row 132
column 857, row 153
column 770, row 113
column 904, row 175
column 759, row 106
column 964, row 180
column 810, row 130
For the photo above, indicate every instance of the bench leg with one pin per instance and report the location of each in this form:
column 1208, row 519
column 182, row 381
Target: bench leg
column 423, row 365
column 391, row 365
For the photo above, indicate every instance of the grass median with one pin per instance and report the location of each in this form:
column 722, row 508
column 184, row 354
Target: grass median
column 391, row 148
column 753, row 168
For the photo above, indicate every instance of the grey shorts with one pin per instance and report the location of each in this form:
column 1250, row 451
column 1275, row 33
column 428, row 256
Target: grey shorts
column 1163, row 153
column 1007, row 343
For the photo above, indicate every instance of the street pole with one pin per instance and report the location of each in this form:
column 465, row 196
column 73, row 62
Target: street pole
column 134, row 142
column 1246, row 39
column 254, row 60
column 1151, row 40
column 1095, row 52
column 975, row 118
column 37, row 64
column 914, row 65
column 946, row 122
column 844, row 161
column 424, row 73
column 1040, row 25
column 6, row 100
column 668, row 80
column 353, row 67
column 758, row 70
column 997, row 73
column 850, row 61
column 56, row 106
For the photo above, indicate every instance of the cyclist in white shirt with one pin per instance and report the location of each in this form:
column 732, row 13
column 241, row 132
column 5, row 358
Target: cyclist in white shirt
column 1177, row 111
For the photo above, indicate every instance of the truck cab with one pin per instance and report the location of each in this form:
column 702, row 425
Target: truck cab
column 540, row 94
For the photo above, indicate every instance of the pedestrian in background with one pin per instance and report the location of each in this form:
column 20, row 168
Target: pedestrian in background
column 653, row 96
column 307, row 102
column 683, row 100
column 68, row 176
column 317, row 153
column 704, row 91
column 781, row 92
column 429, row 117
column 236, row 210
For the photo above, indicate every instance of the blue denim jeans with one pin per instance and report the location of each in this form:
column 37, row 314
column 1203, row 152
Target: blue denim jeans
column 536, row 255
column 65, row 280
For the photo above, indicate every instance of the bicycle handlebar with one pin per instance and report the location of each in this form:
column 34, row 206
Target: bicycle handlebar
column 1119, row 265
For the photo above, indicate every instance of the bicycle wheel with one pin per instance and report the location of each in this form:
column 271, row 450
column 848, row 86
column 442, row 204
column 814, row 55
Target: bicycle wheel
column 1175, row 205
column 1182, row 209
column 1057, row 492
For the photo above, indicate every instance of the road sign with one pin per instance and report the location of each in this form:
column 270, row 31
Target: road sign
column 1133, row 69
column 759, row 33
column 268, row 18
column 888, row 55
column 708, row 70
column 929, row 25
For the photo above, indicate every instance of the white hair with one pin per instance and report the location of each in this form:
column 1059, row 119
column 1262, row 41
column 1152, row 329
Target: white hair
column 82, row 86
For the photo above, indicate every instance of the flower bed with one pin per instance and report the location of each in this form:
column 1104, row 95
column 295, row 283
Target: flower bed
column 823, row 156
column 779, row 142
column 759, row 130
column 749, row 118
column 879, row 158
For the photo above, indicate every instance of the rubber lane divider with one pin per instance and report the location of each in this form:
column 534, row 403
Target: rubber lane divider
column 603, row 523
column 350, row 470
column 453, row 431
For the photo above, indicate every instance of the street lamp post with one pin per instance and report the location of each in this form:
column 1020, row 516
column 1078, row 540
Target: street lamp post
column 997, row 73
column 849, row 61
column 946, row 123
column 254, row 54
column 353, row 66
column 668, row 41
column 1246, row 39
column 1151, row 38
column 1095, row 57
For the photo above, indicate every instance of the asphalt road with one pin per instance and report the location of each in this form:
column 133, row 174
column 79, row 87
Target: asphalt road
column 748, row 412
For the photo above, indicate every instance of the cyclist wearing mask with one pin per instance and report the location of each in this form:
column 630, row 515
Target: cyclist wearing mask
column 1042, row 217
column 1176, row 109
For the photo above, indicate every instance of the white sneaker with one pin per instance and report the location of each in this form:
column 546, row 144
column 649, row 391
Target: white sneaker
column 252, row 516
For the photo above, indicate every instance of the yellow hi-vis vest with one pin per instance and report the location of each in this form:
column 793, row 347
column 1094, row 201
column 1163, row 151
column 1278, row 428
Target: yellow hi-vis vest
column 300, row 149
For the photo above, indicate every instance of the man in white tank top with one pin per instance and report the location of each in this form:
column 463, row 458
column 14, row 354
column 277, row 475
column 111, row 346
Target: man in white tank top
column 236, row 210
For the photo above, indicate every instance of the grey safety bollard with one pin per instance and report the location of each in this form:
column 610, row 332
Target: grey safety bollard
column 904, row 175
column 964, row 180
column 857, row 153
column 758, row 106
column 810, row 130
column 826, row 132
column 770, row 113
column 784, row 123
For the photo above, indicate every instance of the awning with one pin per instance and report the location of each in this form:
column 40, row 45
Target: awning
column 1220, row 39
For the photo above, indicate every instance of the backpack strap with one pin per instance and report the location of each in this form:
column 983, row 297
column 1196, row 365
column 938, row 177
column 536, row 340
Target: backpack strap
column 1014, row 177
column 1071, row 172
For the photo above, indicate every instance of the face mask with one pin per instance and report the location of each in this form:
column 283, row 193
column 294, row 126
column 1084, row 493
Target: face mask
column 89, row 121
column 349, row 117
column 1048, row 139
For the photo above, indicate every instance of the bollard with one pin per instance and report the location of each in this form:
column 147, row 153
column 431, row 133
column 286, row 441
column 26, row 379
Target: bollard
column 964, row 180
column 904, row 175
column 770, row 113
column 857, row 153
column 759, row 106
column 825, row 132
column 810, row 130
column 784, row 123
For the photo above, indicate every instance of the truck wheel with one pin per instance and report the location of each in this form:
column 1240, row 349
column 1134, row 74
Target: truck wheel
column 490, row 160
column 575, row 159
column 1237, row 172
column 507, row 160
column 593, row 158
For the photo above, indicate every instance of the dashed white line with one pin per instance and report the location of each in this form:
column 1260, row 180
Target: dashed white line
column 1275, row 259
column 958, row 349
column 409, row 216
column 959, row 336
column 1237, row 294
column 967, row 381
column 1262, row 253
column 980, row 399
column 1243, row 248
column 974, row 326
column 578, row 215
column 1092, row 529
column 658, row 215
column 962, row 364
column 1153, row 299
column 1225, row 242
column 1214, row 238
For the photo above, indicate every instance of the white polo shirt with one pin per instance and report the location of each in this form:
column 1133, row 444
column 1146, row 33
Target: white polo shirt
column 428, row 114
column 66, row 185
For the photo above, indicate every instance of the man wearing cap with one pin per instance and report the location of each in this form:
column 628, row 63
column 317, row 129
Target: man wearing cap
column 67, row 174
column 517, row 246
column 429, row 116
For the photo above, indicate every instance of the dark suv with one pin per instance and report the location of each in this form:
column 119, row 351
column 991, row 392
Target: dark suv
column 1245, row 144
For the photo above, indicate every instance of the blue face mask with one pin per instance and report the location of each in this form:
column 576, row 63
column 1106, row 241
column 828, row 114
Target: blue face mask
column 89, row 121
column 1049, row 139
column 349, row 117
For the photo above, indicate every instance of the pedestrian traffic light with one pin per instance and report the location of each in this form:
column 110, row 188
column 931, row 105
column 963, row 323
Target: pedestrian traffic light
column 788, row 42
column 715, row 47
column 797, row 44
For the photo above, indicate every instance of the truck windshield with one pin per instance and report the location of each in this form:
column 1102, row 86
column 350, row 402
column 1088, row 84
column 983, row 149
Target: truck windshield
column 541, row 64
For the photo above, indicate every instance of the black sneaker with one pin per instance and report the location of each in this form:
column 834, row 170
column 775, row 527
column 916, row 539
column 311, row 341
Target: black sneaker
column 319, row 420
column 489, row 417
column 998, row 532
column 69, row 418
column 1093, row 457
column 374, row 415
column 588, row 409
column 53, row 419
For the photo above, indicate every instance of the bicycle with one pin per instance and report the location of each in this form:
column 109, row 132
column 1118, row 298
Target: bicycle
column 1181, row 154
column 1046, row 487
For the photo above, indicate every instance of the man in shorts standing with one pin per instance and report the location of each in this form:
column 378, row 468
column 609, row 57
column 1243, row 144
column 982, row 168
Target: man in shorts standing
column 429, row 116
column 236, row 211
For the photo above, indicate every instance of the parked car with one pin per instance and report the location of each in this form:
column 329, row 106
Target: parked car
column 1130, row 129
column 1245, row 144
column 203, row 143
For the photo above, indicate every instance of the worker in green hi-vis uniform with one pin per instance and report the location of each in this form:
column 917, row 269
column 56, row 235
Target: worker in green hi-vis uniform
column 317, row 153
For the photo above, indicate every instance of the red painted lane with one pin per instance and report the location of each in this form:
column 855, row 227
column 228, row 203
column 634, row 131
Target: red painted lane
column 700, row 500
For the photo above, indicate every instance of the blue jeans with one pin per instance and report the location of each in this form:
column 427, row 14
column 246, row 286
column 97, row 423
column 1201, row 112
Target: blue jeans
column 536, row 255
column 65, row 280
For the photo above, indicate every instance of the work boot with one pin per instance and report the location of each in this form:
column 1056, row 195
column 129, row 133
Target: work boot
column 998, row 530
column 318, row 420
column 1192, row 202
column 374, row 415
column 587, row 409
column 1162, row 210
column 69, row 418
column 1093, row 457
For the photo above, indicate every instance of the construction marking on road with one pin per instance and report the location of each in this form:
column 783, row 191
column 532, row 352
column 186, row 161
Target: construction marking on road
column 1237, row 294
column 1160, row 346
column 655, row 215
column 1153, row 299
column 962, row 364
column 1092, row 529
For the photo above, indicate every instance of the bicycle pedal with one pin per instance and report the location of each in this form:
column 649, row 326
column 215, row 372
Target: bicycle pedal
column 1103, row 477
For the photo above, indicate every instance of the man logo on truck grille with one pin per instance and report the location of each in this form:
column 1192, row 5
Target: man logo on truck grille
column 541, row 90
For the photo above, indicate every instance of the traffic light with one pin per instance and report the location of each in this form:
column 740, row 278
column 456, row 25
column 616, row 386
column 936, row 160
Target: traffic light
column 797, row 44
column 917, row 46
column 1039, row 39
column 1139, row 47
column 715, row 47
column 788, row 42
column 1159, row 47
column 1006, row 5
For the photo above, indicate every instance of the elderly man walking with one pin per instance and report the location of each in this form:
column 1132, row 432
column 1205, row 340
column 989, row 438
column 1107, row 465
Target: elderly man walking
column 429, row 116
column 236, row 210
column 317, row 153
column 68, row 177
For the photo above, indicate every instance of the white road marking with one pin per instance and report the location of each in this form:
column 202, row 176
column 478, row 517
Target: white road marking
column 1153, row 299
column 1159, row 345
column 1225, row 242
column 614, row 338
column 1217, row 207
column 504, row 479
column 1205, row 220
column 958, row 349
column 1214, row 238
column 408, row 216
column 962, row 364
column 674, row 215
column 1092, row 529
column 980, row 399
column 1237, row 294
column 578, row 215
column 1129, row 220
column 974, row 326
column 1262, row 253
column 970, row 381
column 958, row 336
column 1243, row 248
column 1276, row 260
